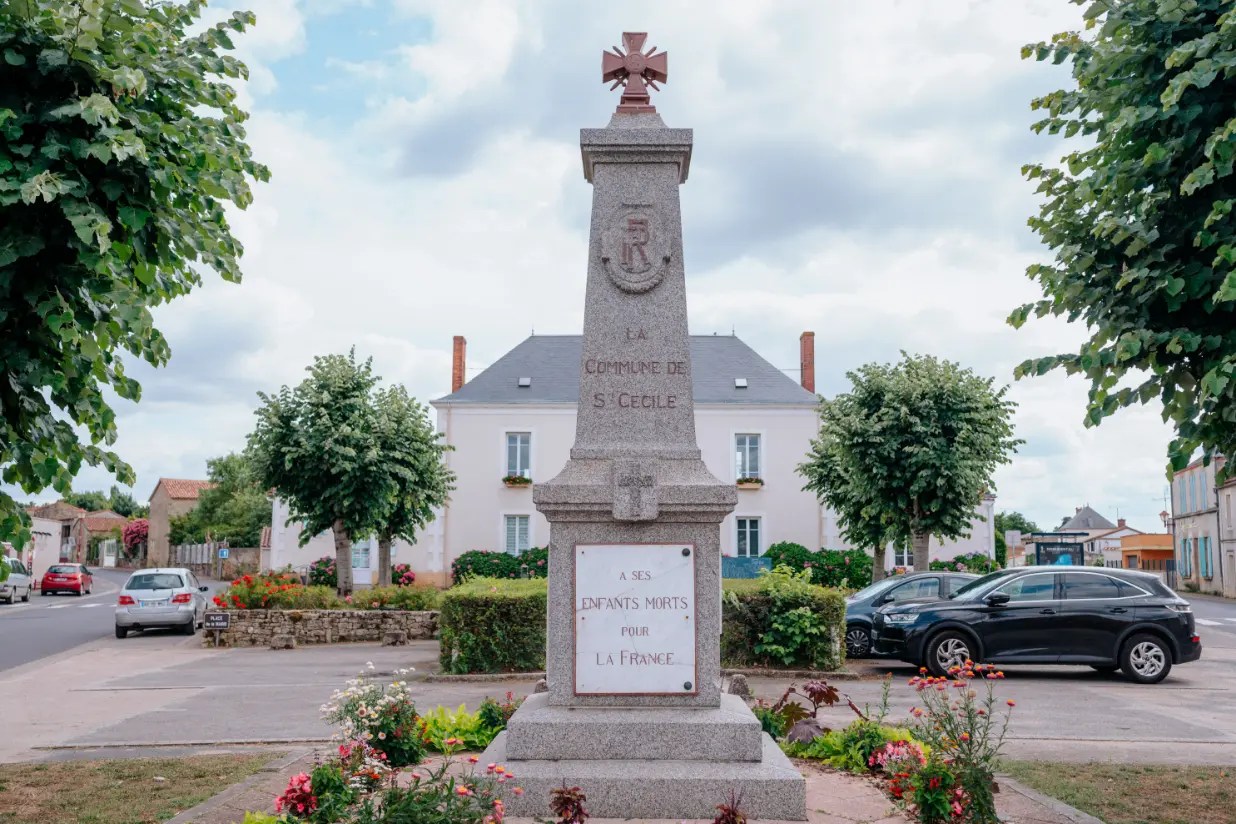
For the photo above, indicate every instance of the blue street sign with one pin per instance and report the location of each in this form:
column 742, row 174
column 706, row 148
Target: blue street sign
column 222, row 552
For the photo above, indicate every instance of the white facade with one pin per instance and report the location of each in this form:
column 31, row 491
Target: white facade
column 981, row 540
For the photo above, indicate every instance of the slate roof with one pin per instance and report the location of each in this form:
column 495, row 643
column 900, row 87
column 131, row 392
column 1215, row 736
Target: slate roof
column 1087, row 518
column 552, row 362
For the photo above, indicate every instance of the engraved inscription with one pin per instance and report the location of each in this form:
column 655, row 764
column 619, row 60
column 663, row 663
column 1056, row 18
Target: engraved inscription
column 634, row 258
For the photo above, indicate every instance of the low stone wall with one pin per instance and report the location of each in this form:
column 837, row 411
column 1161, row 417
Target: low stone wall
column 260, row 627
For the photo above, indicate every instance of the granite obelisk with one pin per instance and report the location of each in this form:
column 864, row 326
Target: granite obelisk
column 634, row 714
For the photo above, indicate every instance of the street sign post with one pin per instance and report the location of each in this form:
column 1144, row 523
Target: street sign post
column 218, row 622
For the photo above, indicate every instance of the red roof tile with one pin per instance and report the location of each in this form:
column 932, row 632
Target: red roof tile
column 181, row 489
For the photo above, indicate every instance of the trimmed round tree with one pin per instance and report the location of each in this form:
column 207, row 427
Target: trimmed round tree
column 1140, row 215
column 908, row 453
column 121, row 146
column 318, row 446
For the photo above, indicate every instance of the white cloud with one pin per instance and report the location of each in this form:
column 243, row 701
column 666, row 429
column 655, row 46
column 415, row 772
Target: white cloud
column 856, row 173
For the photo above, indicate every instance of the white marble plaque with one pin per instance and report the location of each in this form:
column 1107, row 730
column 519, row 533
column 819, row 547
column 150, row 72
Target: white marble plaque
column 635, row 619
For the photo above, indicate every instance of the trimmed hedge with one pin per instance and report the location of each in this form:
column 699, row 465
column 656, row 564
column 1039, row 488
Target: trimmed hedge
column 498, row 625
column 975, row 562
column 845, row 569
column 781, row 620
column 493, row 625
column 482, row 564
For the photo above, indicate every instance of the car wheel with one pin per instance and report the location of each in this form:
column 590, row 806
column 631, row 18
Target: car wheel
column 26, row 597
column 44, row 593
column 1146, row 659
column 857, row 642
column 189, row 628
column 81, row 591
column 121, row 632
column 948, row 649
column 1106, row 669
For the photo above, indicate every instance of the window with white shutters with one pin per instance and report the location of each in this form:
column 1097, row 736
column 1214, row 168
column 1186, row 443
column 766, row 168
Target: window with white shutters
column 516, row 534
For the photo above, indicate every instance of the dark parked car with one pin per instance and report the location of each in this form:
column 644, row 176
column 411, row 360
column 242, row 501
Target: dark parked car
column 1106, row 618
column 917, row 586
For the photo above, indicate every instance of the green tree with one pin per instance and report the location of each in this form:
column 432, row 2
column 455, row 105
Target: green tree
column 120, row 146
column 1140, row 214
column 91, row 500
column 319, row 447
column 233, row 510
column 908, row 452
column 122, row 503
column 414, row 455
column 1006, row 521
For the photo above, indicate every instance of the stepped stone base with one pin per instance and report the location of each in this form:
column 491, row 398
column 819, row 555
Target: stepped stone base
column 540, row 732
column 771, row 788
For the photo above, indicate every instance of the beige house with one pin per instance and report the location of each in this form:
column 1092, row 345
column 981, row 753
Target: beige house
column 171, row 497
column 1227, row 536
column 517, row 418
column 1195, row 525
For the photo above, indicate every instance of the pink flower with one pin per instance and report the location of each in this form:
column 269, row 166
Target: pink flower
column 472, row 759
column 519, row 791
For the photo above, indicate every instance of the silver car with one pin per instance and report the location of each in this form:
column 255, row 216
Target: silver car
column 161, row 598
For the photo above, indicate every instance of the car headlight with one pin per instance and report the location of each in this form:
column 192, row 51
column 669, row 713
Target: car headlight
column 1179, row 607
column 901, row 618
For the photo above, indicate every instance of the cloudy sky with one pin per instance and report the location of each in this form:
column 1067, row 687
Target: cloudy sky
column 856, row 173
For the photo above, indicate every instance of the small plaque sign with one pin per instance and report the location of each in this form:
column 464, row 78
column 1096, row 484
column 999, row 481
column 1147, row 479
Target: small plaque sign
column 635, row 619
column 216, row 620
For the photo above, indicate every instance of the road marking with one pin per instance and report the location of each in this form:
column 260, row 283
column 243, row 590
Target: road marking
column 1207, row 623
column 88, row 606
column 61, row 606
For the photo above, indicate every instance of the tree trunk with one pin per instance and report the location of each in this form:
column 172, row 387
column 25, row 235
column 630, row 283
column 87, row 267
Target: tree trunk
column 343, row 559
column 877, row 565
column 384, row 561
column 922, row 551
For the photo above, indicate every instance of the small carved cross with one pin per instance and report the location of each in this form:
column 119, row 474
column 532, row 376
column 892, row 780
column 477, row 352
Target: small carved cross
column 635, row 72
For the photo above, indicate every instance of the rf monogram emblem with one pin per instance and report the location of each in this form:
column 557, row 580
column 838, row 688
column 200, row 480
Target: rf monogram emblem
column 635, row 250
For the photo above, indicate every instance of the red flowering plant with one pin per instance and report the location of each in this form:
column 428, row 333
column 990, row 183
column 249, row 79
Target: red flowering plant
column 298, row 800
column 965, row 731
column 402, row 575
column 265, row 591
column 323, row 573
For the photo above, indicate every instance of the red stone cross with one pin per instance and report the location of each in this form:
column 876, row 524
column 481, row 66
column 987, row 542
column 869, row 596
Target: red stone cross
column 634, row 71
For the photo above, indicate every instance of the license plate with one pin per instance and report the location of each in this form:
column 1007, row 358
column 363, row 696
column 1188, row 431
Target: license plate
column 152, row 603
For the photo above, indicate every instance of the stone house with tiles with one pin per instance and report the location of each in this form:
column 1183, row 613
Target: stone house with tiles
column 171, row 497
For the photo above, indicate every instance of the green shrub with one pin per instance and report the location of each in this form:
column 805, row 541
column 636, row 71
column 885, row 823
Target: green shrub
column 845, row 569
column 975, row 562
column 782, row 620
column 322, row 573
column 415, row 597
column 481, row 564
column 465, row 730
column 493, row 625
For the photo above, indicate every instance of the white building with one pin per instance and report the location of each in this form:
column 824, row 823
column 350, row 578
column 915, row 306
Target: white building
column 518, row 418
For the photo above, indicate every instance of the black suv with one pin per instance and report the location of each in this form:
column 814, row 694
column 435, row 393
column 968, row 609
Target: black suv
column 900, row 589
column 1106, row 618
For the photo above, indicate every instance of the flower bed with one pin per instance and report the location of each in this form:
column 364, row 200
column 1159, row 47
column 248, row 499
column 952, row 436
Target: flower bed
column 283, row 590
column 259, row 627
column 481, row 564
column 848, row 569
column 940, row 768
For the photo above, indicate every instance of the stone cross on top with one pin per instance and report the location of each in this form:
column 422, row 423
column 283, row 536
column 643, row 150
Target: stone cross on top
column 634, row 71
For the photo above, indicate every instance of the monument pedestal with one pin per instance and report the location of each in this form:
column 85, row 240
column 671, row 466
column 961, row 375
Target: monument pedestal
column 648, row 786
column 634, row 715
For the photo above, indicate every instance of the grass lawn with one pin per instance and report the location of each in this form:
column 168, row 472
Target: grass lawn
column 117, row 792
column 1136, row 793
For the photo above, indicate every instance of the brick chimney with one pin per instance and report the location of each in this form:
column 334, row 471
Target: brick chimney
column 1120, row 523
column 459, row 363
column 806, row 360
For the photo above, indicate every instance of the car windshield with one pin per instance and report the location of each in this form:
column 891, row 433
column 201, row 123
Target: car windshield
column 158, row 580
column 63, row 569
column 980, row 583
column 875, row 589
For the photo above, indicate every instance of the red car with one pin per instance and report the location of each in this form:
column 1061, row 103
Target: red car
column 67, row 578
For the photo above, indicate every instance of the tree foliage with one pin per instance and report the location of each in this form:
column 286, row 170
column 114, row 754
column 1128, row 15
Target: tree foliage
column 93, row 500
column 908, row 452
column 233, row 510
column 1006, row 521
column 120, row 145
column 413, row 453
column 1140, row 215
column 329, row 449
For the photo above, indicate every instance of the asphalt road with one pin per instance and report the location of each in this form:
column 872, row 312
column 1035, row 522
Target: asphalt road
column 1215, row 619
column 51, row 624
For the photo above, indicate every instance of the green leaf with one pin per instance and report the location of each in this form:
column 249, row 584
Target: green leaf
column 14, row 58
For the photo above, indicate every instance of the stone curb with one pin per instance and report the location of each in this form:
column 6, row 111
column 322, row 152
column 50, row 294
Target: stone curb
column 216, row 742
column 819, row 675
column 236, row 789
column 1047, row 801
column 750, row 672
column 479, row 677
